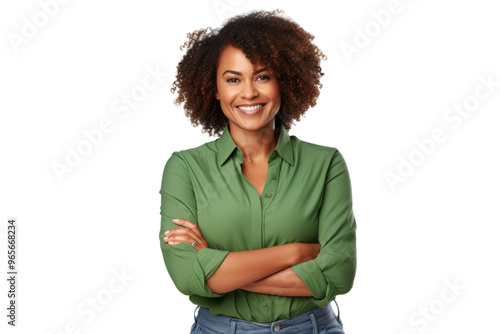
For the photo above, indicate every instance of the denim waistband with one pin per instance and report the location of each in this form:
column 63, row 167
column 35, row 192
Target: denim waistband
column 308, row 322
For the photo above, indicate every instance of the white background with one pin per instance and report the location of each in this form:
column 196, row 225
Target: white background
column 440, row 225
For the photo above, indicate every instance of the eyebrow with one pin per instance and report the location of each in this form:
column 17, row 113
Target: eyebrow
column 239, row 73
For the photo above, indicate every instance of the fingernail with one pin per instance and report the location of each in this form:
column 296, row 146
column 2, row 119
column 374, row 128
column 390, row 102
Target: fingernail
column 175, row 220
column 171, row 242
column 167, row 232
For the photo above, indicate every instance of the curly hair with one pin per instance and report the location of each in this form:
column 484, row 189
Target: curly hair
column 264, row 36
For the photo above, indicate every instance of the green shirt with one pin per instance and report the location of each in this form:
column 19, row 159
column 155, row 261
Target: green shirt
column 306, row 198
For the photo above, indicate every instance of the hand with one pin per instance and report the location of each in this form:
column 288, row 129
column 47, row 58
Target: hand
column 188, row 234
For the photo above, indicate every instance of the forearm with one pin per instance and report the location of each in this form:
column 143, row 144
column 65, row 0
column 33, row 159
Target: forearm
column 283, row 283
column 242, row 268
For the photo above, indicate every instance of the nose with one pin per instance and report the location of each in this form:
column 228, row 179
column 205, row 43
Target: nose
column 248, row 90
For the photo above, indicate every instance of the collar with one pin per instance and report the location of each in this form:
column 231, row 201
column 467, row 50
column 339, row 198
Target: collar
column 226, row 145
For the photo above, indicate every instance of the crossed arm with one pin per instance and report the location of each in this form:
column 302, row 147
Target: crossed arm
column 280, row 270
column 266, row 270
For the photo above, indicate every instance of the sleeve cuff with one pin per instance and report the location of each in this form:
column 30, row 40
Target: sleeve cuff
column 312, row 276
column 207, row 262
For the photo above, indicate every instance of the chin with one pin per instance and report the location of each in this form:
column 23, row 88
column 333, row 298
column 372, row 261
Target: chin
column 251, row 125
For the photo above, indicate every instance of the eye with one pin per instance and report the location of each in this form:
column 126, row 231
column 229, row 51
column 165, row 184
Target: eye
column 263, row 77
column 232, row 80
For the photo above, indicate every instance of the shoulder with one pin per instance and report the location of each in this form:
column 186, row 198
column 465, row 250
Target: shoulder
column 312, row 156
column 182, row 164
column 307, row 149
column 205, row 150
column 187, row 162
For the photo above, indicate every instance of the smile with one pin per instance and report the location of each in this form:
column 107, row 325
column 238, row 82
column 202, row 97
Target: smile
column 251, row 108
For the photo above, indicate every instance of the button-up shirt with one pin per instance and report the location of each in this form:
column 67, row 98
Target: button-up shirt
column 306, row 198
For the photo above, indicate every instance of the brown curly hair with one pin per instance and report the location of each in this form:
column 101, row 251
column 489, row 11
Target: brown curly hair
column 266, row 37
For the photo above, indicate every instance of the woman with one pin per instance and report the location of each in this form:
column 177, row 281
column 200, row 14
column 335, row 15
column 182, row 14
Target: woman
column 257, row 226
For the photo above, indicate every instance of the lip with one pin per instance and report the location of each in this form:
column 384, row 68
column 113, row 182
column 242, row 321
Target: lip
column 250, row 112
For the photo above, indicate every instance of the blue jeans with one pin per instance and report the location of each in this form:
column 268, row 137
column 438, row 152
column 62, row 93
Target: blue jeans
column 317, row 321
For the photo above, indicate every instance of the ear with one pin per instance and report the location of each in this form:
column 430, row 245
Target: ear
column 217, row 95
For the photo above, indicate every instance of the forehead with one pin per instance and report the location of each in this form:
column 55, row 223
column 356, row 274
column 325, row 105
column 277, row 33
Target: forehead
column 232, row 58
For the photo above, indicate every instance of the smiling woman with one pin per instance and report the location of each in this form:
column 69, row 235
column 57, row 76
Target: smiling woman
column 257, row 226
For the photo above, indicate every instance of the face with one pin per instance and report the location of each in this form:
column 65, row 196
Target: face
column 249, row 94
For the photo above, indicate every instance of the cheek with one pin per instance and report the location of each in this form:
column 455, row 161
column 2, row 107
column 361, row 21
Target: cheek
column 274, row 93
column 275, row 96
column 226, row 96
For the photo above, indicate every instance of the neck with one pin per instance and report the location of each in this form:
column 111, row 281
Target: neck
column 255, row 145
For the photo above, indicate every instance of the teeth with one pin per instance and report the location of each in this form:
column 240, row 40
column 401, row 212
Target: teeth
column 257, row 106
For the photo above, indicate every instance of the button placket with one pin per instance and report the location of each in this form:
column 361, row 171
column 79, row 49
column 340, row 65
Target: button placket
column 271, row 181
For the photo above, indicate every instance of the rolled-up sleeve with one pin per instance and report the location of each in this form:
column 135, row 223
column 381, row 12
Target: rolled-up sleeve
column 332, row 272
column 188, row 267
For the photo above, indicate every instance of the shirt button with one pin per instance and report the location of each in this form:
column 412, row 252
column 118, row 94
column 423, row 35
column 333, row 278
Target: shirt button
column 267, row 195
column 264, row 304
column 276, row 328
column 273, row 155
column 273, row 176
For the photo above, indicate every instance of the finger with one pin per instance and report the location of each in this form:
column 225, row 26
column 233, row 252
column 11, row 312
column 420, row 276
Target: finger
column 187, row 238
column 186, row 223
column 182, row 231
column 176, row 240
column 183, row 235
